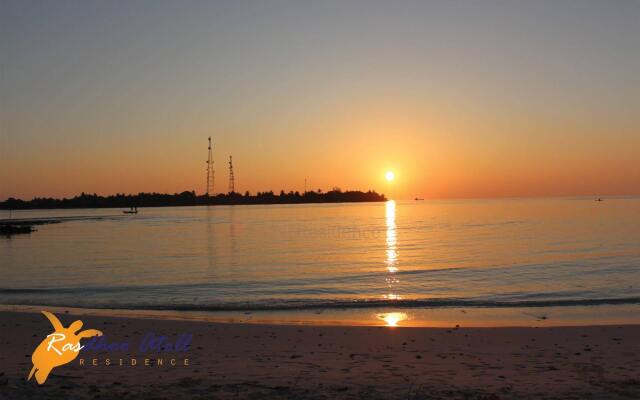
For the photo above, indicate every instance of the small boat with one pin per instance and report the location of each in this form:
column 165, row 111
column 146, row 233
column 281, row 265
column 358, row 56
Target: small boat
column 13, row 229
column 599, row 199
column 418, row 199
column 133, row 210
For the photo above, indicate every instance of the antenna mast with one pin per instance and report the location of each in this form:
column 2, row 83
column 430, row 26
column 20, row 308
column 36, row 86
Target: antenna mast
column 210, row 172
column 232, row 180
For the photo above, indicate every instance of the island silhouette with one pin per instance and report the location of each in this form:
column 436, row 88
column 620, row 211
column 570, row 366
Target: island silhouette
column 189, row 198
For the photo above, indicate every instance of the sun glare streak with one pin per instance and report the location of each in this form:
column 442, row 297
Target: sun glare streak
column 391, row 251
column 390, row 220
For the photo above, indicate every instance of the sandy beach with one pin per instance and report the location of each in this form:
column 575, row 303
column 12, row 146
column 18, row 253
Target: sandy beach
column 318, row 362
column 324, row 200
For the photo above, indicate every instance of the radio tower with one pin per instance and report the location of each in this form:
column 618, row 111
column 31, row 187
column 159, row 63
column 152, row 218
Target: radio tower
column 232, row 180
column 210, row 172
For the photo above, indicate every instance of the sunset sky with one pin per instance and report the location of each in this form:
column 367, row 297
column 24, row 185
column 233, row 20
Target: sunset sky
column 457, row 98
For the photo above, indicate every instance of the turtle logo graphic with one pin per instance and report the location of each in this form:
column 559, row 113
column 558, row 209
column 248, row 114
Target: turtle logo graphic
column 58, row 348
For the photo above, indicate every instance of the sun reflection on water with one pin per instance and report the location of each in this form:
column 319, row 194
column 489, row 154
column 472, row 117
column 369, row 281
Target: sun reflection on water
column 393, row 318
column 392, row 253
column 391, row 260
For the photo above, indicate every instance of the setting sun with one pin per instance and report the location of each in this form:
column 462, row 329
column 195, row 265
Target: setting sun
column 389, row 176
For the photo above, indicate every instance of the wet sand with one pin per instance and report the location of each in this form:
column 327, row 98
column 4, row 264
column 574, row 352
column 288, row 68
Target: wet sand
column 243, row 361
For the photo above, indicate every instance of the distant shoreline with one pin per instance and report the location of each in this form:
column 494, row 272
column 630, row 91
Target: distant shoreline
column 190, row 199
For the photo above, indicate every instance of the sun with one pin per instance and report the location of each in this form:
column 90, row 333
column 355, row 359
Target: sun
column 389, row 176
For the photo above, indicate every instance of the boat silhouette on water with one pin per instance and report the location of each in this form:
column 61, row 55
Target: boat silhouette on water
column 132, row 210
column 8, row 229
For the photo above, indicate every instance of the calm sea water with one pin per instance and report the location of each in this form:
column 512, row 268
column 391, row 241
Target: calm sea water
column 414, row 254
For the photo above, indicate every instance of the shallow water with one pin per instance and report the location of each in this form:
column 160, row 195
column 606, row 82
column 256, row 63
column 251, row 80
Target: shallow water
column 412, row 255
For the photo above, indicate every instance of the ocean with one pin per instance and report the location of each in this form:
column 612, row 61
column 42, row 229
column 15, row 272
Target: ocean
column 419, row 260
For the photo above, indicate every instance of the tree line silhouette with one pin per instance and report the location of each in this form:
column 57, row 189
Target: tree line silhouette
column 189, row 198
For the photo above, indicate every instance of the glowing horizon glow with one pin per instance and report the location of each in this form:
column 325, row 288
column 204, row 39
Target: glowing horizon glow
column 169, row 79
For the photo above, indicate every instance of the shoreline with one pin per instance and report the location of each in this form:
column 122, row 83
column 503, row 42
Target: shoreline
column 445, row 317
column 189, row 198
column 231, row 360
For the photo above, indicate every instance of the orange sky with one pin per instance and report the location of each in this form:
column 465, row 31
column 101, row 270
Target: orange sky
column 459, row 100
